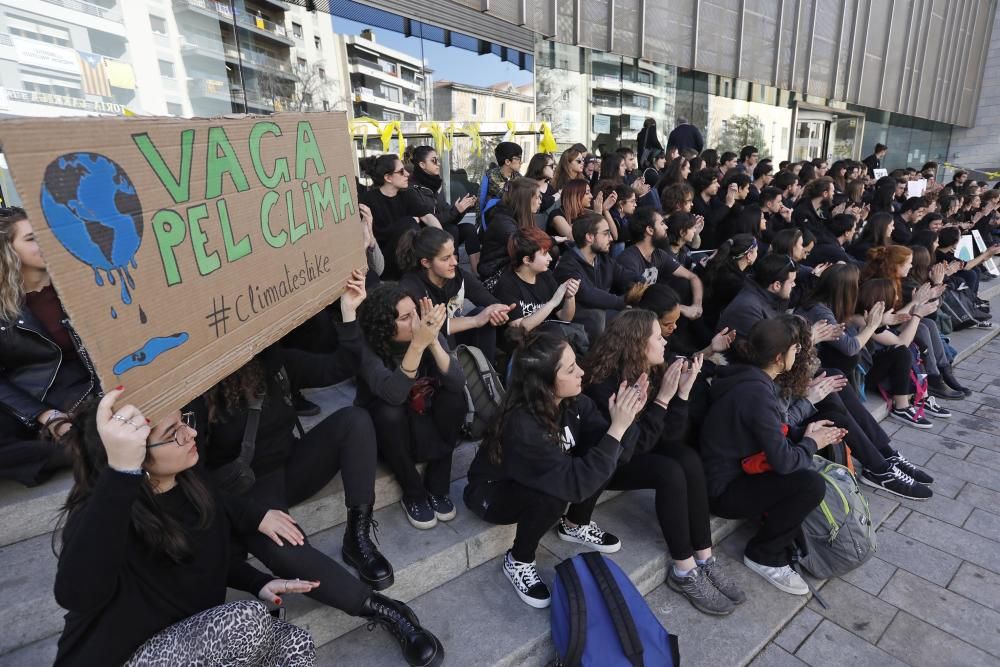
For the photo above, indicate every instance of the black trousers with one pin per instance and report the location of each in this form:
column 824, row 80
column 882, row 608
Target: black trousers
column 508, row 502
column 24, row 456
column 343, row 442
column 892, row 365
column 406, row 438
column 783, row 500
column 681, row 500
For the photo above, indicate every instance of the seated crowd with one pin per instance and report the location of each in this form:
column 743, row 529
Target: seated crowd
column 695, row 323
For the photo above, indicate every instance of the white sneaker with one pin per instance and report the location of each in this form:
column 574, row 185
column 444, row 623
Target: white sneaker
column 783, row 578
column 589, row 535
column 526, row 582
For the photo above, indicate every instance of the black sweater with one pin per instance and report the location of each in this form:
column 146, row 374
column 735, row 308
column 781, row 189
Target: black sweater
column 601, row 283
column 745, row 418
column 655, row 428
column 571, row 470
column 493, row 256
column 118, row 593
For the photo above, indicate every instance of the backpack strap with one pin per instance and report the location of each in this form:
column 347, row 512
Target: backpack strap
column 577, row 613
column 249, row 444
column 628, row 635
column 484, row 189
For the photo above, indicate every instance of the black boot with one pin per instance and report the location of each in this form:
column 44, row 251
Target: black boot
column 948, row 375
column 360, row 552
column 420, row 647
column 938, row 389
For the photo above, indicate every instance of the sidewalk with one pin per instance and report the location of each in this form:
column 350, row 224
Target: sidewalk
column 931, row 595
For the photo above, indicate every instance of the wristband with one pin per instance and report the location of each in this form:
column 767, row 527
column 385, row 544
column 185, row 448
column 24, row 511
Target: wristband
column 407, row 370
column 130, row 471
column 56, row 414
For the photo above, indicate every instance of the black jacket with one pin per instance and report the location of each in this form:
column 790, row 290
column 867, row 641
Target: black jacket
column 828, row 249
column 655, row 429
column 425, row 200
column 873, row 163
column 744, row 419
column 573, row 469
column 686, row 136
column 805, row 216
column 30, row 363
column 493, row 256
column 752, row 304
column 598, row 281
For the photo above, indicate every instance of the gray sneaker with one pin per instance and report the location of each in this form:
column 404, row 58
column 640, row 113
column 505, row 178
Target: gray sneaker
column 700, row 592
column 716, row 573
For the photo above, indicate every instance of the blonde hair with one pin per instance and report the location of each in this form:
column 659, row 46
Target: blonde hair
column 11, row 287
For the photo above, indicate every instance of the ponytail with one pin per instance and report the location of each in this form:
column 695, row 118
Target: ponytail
column 415, row 246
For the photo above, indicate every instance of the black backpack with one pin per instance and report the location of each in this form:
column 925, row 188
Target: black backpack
column 483, row 391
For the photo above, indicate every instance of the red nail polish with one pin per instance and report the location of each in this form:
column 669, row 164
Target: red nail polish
column 119, row 387
column 148, row 422
column 277, row 601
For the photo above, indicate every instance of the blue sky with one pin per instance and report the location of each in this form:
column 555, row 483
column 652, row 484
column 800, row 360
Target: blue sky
column 448, row 62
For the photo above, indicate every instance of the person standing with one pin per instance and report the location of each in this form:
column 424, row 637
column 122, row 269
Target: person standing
column 686, row 135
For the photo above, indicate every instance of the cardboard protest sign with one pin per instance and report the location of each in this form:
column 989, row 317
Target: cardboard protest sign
column 880, row 173
column 181, row 248
column 990, row 264
column 916, row 188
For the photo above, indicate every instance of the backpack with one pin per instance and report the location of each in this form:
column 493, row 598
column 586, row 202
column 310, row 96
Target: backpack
column 483, row 390
column 839, row 535
column 485, row 201
column 599, row 618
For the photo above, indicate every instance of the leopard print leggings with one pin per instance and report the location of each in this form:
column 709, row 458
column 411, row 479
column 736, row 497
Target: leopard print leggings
column 236, row 634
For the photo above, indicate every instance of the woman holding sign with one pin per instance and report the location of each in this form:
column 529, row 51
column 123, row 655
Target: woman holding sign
column 45, row 369
column 146, row 555
column 251, row 447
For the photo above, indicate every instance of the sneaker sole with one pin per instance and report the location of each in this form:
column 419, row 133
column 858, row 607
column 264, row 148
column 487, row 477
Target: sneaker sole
column 872, row 484
column 937, row 416
column 376, row 584
column 446, row 517
column 603, row 548
column 949, row 398
column 909, row 422
column 676, row 587
column 420, row 525
column 527, row 599
column 779, row 586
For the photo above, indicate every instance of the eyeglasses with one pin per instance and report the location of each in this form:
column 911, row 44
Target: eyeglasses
column 187, row 419
column 399, row 172
column 579, row 160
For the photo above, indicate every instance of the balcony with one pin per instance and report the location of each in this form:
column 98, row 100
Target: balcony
column 369, row 96
column 366, row 68
column 210, row 89
column 84, row 14
column 223, row 13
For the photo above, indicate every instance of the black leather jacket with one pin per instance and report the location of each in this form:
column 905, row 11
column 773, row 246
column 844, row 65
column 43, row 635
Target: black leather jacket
column 29, row 364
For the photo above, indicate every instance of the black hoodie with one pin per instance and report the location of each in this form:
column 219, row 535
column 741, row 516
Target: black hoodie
column 598, row 281
column 752, row 304
column 745, row 418
column 502, row 225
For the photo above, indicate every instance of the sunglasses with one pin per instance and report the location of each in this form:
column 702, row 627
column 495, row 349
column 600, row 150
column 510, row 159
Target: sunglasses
column 399, row 172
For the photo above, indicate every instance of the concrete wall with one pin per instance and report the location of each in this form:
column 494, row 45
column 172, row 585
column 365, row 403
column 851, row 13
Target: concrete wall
column 978, row 147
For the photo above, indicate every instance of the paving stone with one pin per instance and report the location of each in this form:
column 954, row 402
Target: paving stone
column 970, row 472
column 971, row 373
column 977, row 584
column 872, row 576
column 964, row 431
column 775, row 656
column 918, row 455
column 923, row 645
column 930, row 441
column 987, row 412
column 42, row 652
column 969, row 546
column 27, row 578
column 800, row 627
column 937, row 506
column 950, row 612
column 946, row 483
column 830, row 644
column 985, row 524
column 914, row 556
column 880, row 506
column 986, row 457
column 855, row 610
column 893, row 520
column 980, row 497
column 979, row 398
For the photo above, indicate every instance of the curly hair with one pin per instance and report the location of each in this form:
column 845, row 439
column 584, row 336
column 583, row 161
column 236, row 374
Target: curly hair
column 620, row 351
column 236, row 390
column 794, row 382
column 11, row 287
column 377, row 318
column 535, row 365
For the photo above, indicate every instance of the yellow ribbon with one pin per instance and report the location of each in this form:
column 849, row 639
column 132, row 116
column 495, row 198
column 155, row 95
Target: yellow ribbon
column 548, row 142
column 472, row 131
column 361, row 123
column 441, row 140
column 511, row 131
column 393, row 127
column 989, row 175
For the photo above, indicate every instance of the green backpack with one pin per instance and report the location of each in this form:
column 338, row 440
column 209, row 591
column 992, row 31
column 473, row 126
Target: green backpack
column 839, row 535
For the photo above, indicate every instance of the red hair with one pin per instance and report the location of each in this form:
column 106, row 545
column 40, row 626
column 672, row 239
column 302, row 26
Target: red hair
column 884, row 262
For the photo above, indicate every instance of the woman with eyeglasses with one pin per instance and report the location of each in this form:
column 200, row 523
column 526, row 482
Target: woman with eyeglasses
column 146, row 559
column 754, row 463
column 428, row 198
column 570, row 168
column 255, row 448
column 45, row 371
column 542, row 168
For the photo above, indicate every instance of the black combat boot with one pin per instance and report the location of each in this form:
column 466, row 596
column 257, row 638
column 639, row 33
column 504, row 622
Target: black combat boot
column 420, row 647
column 361, row 553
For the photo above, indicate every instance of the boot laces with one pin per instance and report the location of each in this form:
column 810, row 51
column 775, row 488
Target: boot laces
column 392, row 620
column 366, row 530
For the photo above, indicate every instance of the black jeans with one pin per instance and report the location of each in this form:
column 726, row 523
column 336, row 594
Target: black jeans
column 785, row 500
column 868, row 442
column 891, row 364
column 678, row 478
column 405, row 437
column 343, row 442
column 508, row 502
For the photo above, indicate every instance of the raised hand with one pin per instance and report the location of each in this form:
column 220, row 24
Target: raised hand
column 824, row 433
column 689, row 375
column 723, row 340
column 873, row 316
column 670, row 381
column 354, row 294
column 123, row 431
column 624, row 405
column 428, row 325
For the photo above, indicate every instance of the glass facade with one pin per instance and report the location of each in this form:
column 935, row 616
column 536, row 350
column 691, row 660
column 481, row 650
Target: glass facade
column 212, row 57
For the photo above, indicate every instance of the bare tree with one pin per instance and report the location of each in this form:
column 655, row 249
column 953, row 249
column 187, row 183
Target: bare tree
column 305, row 88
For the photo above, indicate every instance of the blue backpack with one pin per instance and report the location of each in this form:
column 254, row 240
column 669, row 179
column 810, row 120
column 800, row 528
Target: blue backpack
column 599, row 618
column 485, row 203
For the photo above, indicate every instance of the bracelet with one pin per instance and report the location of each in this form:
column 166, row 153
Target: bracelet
column 663, row 405
column 131, row 471
column 407, row 370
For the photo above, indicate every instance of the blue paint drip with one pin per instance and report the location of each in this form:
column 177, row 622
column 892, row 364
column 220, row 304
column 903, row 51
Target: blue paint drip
column 148, row 353
column 134, row 265
column 97, row 277
column 114, row 313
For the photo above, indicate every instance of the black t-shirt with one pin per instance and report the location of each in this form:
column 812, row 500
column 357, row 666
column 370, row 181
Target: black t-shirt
column 528, row 298
column 386, row 212
column 556, row 212
column 661, row 263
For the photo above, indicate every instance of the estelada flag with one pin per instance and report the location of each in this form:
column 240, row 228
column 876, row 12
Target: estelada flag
column 95, row 77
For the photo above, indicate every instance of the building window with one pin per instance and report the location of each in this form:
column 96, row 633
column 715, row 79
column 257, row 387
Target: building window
column 167, row 69
column 175, row 109
column 158, row 24
column 307, row 101
column 42, row 32
column 322, row 73
column 318, row 43
column 503, row 110
column 391, row 115
column 326, row 105
column 474, row 106
column 301, row 63
column 390, row 93
column 297, row 30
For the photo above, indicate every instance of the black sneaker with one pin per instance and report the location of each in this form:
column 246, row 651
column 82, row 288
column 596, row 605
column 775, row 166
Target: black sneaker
column 700, row 592
column 420, row 513
column 898, row 482
column 937, row 388
column 443, row 508
column 913, row 471
column 589, row 535
column 908, row 415
column 934, row 409
column 526, row 582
